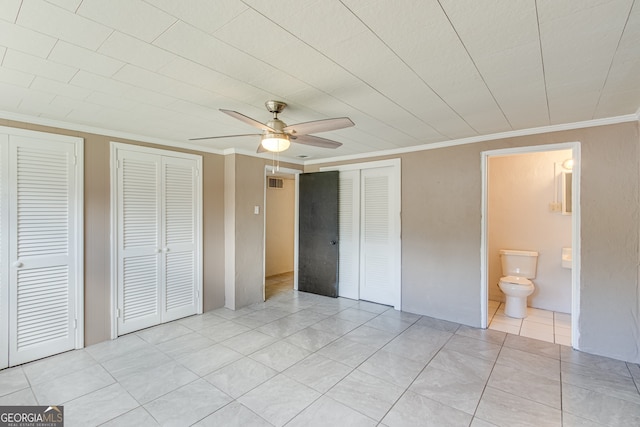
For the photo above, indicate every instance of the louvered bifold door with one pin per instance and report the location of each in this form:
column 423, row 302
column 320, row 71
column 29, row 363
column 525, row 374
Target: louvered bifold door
column 349, row 235
column 380, row 216
column 42, row 253
column 139, row 245
column 180, row 238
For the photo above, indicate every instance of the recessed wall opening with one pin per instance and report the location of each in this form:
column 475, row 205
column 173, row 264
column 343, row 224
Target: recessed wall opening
column 279, row 213
column 530, row 218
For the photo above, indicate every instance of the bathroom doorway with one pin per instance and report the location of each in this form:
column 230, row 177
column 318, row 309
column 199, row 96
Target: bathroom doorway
column 280, row 201
column 526, row 207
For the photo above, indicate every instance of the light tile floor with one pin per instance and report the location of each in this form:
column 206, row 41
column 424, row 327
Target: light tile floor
column 275, row 284
column 300, row 359
column 550, row 326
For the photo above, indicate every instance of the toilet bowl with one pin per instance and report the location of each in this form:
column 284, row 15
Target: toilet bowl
column 516, row 290
column 518, row 267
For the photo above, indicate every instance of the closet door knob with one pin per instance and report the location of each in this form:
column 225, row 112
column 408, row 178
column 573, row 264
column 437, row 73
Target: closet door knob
column 18, row 264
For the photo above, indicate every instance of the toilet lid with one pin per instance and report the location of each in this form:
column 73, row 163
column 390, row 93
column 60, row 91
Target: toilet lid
column 515, row 279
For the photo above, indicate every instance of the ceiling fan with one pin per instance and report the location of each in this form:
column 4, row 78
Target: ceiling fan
column 276, row 135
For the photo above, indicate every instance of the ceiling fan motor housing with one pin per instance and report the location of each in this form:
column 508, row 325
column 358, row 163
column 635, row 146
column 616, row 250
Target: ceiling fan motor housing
column 275, row 107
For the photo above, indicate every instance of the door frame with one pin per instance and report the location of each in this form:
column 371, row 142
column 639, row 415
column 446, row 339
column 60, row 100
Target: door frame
column 78, row 195
column 575, row 229
column 269, row 172
column 113, row 210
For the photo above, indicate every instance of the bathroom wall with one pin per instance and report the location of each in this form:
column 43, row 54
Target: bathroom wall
column 279, row 218
column 520, row 188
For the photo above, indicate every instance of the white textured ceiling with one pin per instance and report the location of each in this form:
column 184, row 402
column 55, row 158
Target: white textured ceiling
column 407, row 72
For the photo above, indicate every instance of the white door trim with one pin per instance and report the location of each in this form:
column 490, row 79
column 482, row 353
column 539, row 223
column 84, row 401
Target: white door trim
column 575, row 230
column 114, row 147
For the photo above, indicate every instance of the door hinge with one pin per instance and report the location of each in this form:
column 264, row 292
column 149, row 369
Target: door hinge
column 197, row 295
column 197, row 172
column 117, row 313
column 75, row 160
column 75, row 323
column 117, row 164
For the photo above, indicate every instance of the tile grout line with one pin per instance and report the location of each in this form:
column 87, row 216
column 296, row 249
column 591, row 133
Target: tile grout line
column 486, row 384
column 420, row 373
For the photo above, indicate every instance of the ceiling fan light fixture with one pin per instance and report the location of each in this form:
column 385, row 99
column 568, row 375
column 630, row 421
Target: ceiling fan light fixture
column 275, row 142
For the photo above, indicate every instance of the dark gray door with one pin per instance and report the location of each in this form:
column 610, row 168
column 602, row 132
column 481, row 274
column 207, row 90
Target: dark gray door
column 318, row 233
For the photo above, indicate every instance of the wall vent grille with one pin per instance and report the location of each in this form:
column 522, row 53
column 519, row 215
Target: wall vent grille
column 275, row 183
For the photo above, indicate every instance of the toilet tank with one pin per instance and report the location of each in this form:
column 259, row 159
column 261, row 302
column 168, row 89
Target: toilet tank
column 519, row 263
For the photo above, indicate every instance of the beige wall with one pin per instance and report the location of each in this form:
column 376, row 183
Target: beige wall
column 441, row 232
column 97, row 263
column 280, row 212
column 441, row 217
column 520, row 188
column 247, row 283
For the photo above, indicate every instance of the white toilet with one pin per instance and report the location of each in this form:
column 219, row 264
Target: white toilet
column 518, row 267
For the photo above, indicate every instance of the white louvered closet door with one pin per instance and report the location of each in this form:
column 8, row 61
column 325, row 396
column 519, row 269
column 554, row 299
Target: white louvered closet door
column 42, row 255
column 380, row 238
column 159, row 270
column 139, row 245
column 349, row 234
column 180, row 238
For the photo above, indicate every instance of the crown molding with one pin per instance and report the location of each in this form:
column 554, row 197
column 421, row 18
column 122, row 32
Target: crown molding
column 230, row 151
column 104, row 132
column 482, row 138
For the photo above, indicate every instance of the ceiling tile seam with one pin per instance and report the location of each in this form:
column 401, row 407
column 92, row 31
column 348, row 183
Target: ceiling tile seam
column 453, row 110
column 544, row 73
column 400, row 130
column 37, row 32
column 15, row 18
column 231, row 77
column 47, row 57
column 475, row 65
column 66, row 11
column 302, row 81
column 163, row 31
column 613, row 57
column 163, row 108
column 411, row 113
column 50, row 50
column 157, row 72
column 55, row 62
column 141, row 103
column 75, row 11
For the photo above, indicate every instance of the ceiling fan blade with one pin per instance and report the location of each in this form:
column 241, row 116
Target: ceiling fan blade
column 224, row 136
column 319, row 126
column 316, row 141
column 247, row 120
